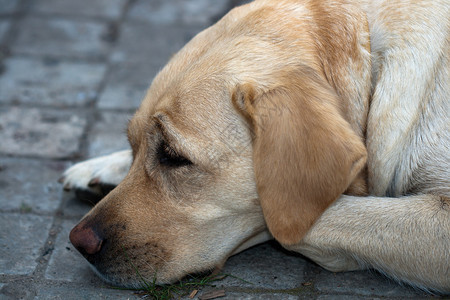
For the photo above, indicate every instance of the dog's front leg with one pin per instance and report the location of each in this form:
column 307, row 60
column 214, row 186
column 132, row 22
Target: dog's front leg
column 97, row 176
column 406, row 238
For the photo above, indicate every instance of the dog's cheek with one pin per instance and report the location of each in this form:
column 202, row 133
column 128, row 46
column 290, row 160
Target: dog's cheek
column 131, row 249
column 126, row 260
column 151, row 252
column 148, row 258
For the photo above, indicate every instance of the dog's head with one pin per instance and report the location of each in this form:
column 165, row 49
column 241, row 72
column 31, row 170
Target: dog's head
column 247, row 130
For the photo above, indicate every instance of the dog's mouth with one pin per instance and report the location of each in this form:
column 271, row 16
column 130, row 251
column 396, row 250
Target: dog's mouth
column 125, row 268
column 131, row 263
column 139, row 280
column 130, row 267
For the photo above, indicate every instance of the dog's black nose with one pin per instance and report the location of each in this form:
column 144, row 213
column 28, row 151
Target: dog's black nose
column 86, row 239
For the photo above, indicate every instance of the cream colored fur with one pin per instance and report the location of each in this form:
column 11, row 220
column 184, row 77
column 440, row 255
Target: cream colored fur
column 276, row 74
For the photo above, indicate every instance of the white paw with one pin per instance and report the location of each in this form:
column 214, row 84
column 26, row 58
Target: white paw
column 95, row 174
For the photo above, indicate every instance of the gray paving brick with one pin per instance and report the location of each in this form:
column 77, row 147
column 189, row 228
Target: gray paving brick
column 62, row 38
column 263, row 296
column 92, row 8
column 64, row 292
column 30, row 185
column 67, row 264
column 345, row 297
column 8, row 6
column 177, row 11
column 43, row 133
column 50, row 82
column 109, row 134
column 363, row 283
column 240, row 2
column 21, row 238
column 4, row 26
column 251, row 295
column 17, row 289
column 156, row 43
column 265, row 266
column 127, row 84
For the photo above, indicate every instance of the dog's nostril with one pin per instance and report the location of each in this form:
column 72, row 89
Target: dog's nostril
column 85, row 239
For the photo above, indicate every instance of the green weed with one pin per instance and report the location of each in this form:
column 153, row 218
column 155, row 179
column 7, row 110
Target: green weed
column 181, row 288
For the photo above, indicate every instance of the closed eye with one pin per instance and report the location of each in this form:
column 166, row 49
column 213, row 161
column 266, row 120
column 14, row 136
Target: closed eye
column 168, row 157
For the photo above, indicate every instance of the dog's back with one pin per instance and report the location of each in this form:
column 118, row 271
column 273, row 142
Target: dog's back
column 408, row 136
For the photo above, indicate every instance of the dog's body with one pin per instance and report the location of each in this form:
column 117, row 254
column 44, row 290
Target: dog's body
column 262, row 121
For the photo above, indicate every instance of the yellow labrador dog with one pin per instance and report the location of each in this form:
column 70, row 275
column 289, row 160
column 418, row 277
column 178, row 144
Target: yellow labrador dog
column 323, row 124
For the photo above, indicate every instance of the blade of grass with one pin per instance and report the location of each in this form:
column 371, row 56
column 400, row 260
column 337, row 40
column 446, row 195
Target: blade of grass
column 181, row 288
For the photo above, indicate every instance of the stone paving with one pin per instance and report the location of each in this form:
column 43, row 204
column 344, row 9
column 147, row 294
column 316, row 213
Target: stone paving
column 71, row 74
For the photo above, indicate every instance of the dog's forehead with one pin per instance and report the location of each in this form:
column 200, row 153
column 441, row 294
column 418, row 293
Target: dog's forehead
column 196, row 85
column 201, row 108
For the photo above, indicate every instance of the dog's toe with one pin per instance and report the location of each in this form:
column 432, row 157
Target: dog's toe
column 93, row 179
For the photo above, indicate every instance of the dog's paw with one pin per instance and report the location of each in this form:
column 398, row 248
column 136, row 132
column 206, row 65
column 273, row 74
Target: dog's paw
column 91, row 180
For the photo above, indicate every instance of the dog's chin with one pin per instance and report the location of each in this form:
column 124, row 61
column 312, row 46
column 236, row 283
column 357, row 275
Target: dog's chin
column 137, row 280
column 117, row 280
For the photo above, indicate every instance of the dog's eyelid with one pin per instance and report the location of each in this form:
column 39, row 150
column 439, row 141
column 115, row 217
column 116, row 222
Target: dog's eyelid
column 158, row 126
column 166, row 144
column 169, row 134
column 169, row 156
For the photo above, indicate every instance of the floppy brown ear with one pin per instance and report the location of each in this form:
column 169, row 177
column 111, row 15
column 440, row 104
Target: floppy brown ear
column 305, row 154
